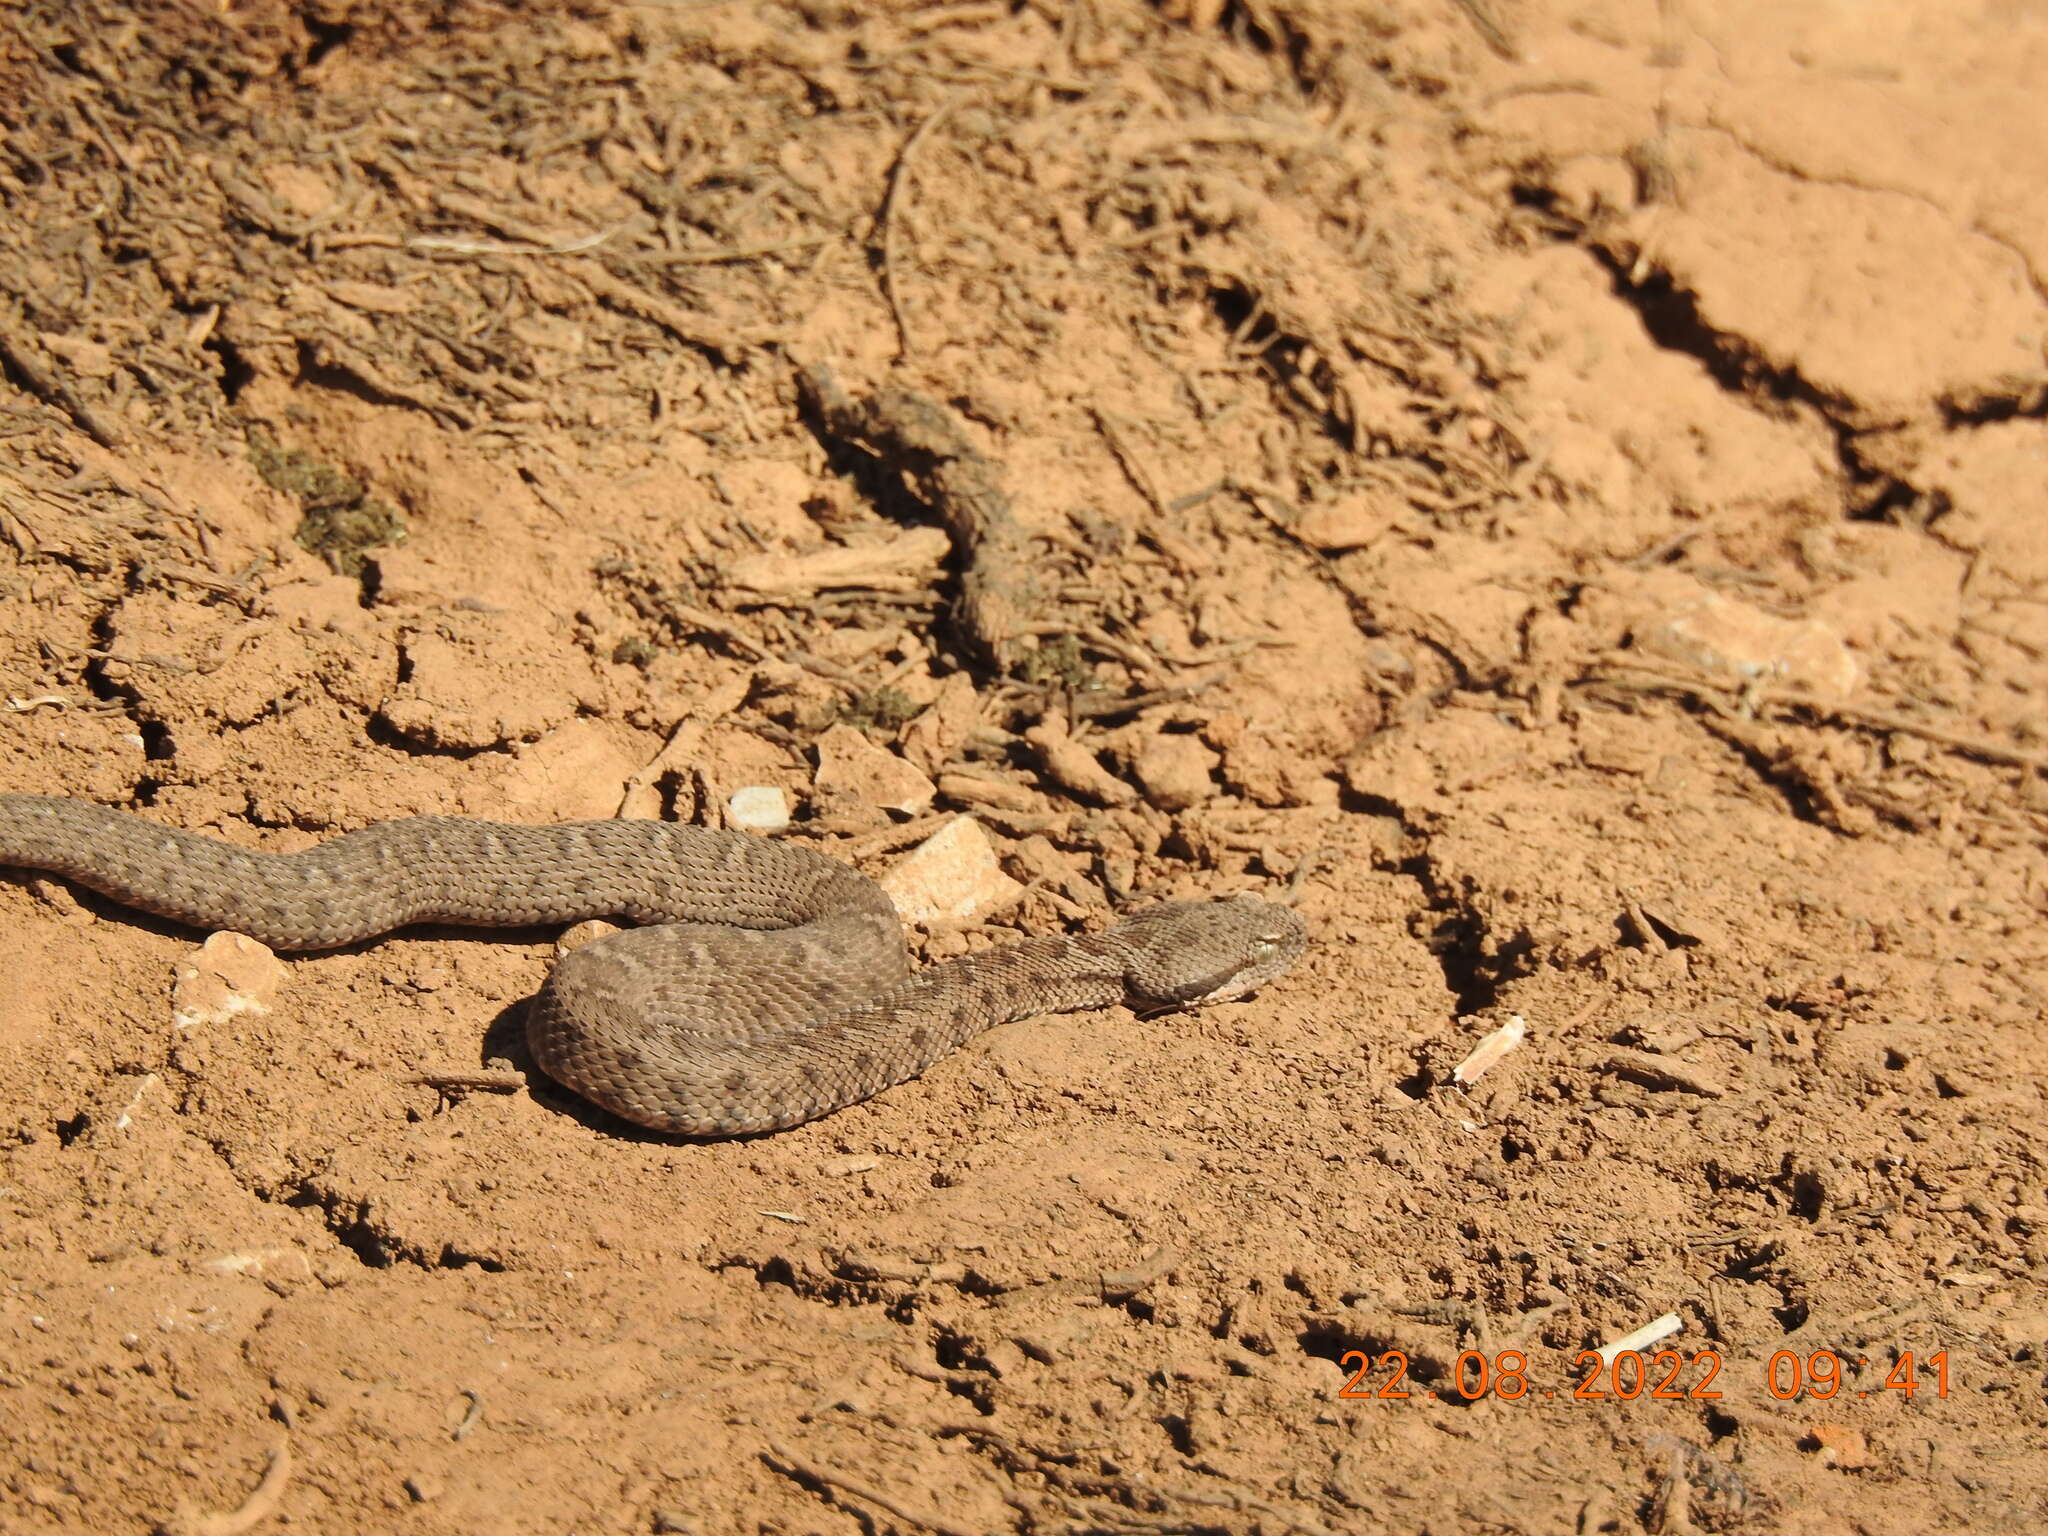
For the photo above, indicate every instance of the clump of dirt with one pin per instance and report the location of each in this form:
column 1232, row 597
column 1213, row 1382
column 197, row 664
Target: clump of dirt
column 341, row 520
column 886, row 710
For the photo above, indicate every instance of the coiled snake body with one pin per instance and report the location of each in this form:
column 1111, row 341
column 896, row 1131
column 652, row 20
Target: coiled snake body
column 772, row 985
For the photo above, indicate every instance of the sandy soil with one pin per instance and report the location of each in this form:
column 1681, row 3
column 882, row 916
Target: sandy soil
column 1558, row 486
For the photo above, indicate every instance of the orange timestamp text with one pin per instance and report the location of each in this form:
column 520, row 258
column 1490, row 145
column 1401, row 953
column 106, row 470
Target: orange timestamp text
column 1667, row 1374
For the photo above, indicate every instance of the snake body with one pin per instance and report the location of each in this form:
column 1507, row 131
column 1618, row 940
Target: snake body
column 770, row 986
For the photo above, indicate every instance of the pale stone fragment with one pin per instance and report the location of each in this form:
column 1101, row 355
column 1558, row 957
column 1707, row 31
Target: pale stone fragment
column 905, row 563
column 950, row 876
column 1350, row 522
column 229, row 974
column 758, row 808
column 1719, row 635
column 850, row 767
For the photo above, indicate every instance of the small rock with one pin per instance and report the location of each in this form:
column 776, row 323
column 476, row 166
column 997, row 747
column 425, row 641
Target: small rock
column 1841, row 1446
column 89, row 359
column 1072, row 766
column 850, row 767
column 758, row 808
column 1175, row 771
column 229, row 974
column 1041, row 860
column 909, row 559
column 951, row 875
column 937, row 735
column 971, row 789
column 1351, row 522
column 262, row 1264
column 1717, row 634
column 589, row 931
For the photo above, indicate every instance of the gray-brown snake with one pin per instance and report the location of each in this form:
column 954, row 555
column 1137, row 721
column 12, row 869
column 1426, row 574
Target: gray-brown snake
column 772, row 985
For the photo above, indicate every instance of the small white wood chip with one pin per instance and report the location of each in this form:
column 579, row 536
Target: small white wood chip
column 1488, row 1052
column 127, row 1115
column 1643, row 1337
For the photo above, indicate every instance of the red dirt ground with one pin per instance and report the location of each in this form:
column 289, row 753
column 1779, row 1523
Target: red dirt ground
column 1559, row 487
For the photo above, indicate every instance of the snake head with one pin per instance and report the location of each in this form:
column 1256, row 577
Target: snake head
column 1182, row 954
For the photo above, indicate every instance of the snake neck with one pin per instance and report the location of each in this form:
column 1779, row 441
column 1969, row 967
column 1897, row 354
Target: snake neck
column 960, row 998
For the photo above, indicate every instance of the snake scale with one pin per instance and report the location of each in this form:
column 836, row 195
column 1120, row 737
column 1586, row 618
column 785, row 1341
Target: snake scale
column 769, row 986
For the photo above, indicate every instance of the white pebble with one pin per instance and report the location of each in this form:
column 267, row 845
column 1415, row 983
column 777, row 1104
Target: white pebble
column 758, row 808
